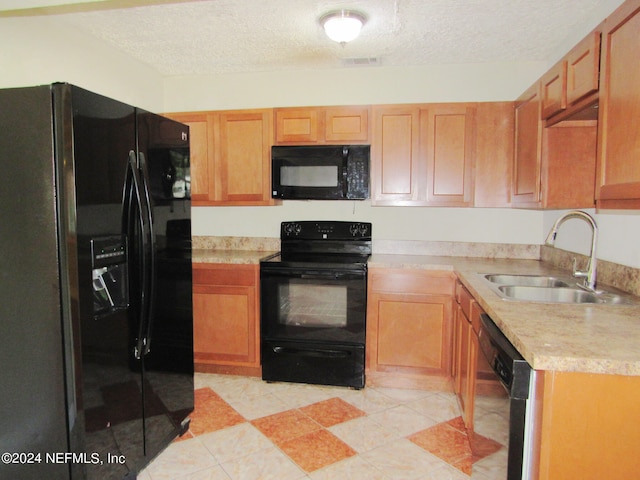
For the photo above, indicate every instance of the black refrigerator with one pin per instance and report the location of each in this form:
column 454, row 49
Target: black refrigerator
column 96, row 329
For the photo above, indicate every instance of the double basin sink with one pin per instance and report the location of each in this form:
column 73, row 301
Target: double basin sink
column 550, row 289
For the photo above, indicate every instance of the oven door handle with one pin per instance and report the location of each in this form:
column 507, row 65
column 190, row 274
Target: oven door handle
column 312, row 352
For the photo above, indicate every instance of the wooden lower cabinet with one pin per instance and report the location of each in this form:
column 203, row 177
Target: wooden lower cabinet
column 587, row 426
column 409, row 328
column 226, row 336
column 465, row 353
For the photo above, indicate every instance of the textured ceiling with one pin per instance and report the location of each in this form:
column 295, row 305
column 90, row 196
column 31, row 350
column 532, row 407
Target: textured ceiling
column 221, row 36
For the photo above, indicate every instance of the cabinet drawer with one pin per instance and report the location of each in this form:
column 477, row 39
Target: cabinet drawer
column 464, row 299
column 218, row 274
column 411, row 281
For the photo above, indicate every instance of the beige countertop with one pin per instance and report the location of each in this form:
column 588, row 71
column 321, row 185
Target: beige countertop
column 577, row 338
column 246, row 257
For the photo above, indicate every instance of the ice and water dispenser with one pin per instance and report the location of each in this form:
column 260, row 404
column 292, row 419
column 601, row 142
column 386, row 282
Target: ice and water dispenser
column 109, row 274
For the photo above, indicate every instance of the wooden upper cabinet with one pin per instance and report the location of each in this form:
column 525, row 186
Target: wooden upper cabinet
column 423, row 154
column 571, row 85
column 583, row 68
column 322, row 125
column 554, row 167
column 198, row 154
column 553, row 86
column 618, row 175
column 528, row 136
column 495, row 126
column 230, row 156
column 396, row 166
column 242, row 141
column 447, row 139
column 346, row 124
column 297, row 125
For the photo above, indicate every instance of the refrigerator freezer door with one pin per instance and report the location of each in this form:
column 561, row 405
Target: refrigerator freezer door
column 102, row 133
column 168, row 360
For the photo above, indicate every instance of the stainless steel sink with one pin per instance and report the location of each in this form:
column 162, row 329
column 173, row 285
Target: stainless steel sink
column 551, row 289
column 548, row 294
column 527, row 280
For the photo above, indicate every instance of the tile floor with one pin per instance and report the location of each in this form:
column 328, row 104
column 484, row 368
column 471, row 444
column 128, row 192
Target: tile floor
column 244, row 429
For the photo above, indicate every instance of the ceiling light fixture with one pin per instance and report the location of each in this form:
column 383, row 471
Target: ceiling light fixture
column 342, row 26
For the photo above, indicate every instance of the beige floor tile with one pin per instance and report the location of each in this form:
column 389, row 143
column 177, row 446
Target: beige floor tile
column 353, row 468
column 235, row 442
column 363, row 434
column 402, row 460
column 268, row 464
column 180, row 459
column 402, row 420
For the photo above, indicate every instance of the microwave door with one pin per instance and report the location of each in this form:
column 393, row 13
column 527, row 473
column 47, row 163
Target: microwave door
column 309, row 179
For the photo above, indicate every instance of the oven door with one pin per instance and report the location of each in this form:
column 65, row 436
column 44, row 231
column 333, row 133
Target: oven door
column 313, row 304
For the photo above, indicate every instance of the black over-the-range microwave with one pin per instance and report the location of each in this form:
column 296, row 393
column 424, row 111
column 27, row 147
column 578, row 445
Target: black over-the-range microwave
column 324, row 172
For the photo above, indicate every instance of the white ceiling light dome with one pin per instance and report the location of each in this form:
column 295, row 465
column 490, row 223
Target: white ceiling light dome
column 342, row 26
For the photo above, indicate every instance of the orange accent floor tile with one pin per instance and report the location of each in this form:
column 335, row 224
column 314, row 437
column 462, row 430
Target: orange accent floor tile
column 332, row 412
column 285, row 426
column 212, row 413
column 316, row 449
column 448, row 443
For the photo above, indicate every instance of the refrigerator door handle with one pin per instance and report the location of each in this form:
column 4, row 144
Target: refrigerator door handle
column 134, row 204
column 151, row 245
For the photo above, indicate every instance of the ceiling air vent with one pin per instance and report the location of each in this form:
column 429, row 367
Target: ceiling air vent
column 361, row 62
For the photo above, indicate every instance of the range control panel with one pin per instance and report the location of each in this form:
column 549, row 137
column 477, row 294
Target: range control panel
column 325, row 230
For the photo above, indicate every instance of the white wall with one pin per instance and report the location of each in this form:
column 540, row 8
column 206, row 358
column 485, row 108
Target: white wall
column 41, row 50
column 389, row 223
column 352, row 86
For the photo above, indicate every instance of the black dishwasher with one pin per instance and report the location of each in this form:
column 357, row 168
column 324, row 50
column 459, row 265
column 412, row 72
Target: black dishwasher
column 507, row 418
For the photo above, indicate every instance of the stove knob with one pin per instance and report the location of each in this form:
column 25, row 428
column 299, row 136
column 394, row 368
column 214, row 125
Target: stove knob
column 363, row 230
column 291, row 229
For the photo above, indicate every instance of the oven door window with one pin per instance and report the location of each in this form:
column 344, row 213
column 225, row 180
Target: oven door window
column 315, row 306
column 309, row 305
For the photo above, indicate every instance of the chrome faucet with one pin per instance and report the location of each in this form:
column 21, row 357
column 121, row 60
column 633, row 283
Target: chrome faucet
column 589, row 275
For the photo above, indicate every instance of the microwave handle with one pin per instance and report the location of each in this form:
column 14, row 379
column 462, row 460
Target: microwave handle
column 345, row 172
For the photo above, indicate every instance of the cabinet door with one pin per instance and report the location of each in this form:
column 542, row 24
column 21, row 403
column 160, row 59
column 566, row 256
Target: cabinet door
column 395, row 163
column 346, row 124
column 224, row 324
column 583, row 68
column 464, row 368
column 409, row 328
column 200, row 166
column 553, row 87
column 495, row 125
column 526, row 169
column 448, row 139
column 243, row 157
column 297, row 125
column 618, row 178
column 411, row 332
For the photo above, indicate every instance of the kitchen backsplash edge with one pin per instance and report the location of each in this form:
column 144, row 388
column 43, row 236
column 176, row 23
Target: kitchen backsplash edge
column 399, row 247
column 619, row 276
